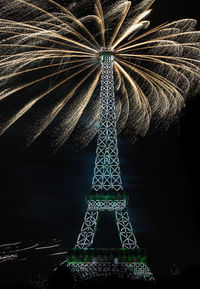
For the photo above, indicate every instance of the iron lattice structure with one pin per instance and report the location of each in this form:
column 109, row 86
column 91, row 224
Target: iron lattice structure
column 91, row 263
column 107, row 170
column 108, row 194
column 85, row 271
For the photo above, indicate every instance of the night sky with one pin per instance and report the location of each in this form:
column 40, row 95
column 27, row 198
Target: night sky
column 43, row 198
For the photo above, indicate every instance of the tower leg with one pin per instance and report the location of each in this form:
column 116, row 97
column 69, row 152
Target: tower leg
column 125, row 230
column 88, row 229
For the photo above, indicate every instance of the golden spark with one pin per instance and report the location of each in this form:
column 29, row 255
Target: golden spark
column 50, row 67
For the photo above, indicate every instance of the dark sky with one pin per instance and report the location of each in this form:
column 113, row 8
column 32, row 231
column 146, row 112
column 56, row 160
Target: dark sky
column 44, row 198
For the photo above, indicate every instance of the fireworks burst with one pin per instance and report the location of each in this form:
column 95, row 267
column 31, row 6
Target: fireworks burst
column 50, row 67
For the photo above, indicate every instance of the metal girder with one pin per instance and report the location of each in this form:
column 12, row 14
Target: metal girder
column 86, row 271
column 139, row 270
column 89, row 226
column 125, row 230
column 108, row 205
column 107, row 170
column 88, row 229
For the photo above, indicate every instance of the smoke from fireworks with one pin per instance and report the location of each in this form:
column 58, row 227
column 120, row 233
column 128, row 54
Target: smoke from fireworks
column 50, row 67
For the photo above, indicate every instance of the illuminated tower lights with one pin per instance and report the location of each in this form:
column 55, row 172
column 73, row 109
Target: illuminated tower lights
column 107, row 195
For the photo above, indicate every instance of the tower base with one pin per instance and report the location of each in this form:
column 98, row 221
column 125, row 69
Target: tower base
column 91, row 263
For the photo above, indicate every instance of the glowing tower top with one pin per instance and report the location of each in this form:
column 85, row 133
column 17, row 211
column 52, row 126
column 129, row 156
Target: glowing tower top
column 106, row 55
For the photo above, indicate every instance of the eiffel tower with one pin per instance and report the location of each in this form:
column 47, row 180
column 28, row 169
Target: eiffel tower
column 107, row 196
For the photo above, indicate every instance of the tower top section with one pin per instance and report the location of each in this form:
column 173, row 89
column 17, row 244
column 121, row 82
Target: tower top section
column 106, row 55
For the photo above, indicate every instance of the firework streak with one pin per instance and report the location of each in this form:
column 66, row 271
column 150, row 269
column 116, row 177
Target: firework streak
column 50, row 67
